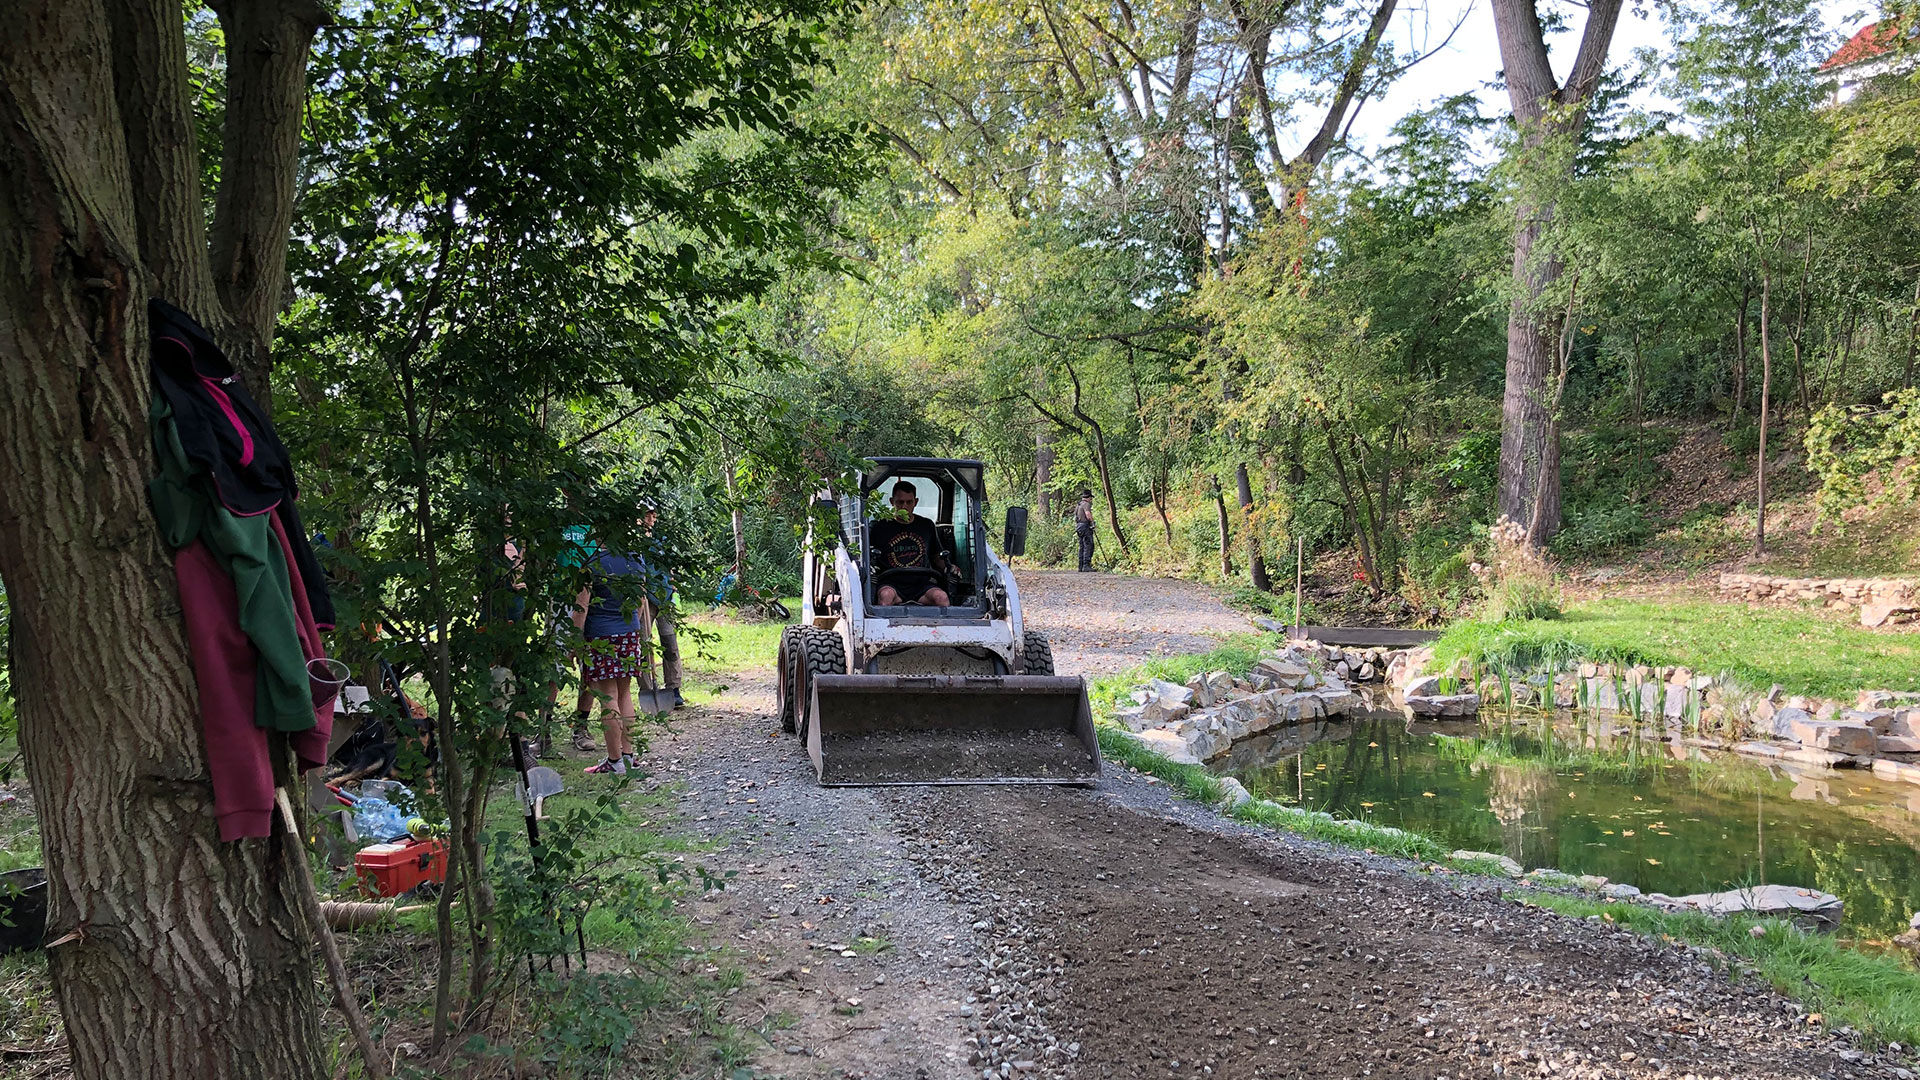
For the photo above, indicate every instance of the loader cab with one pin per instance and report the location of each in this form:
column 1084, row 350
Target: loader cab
column 951, row 494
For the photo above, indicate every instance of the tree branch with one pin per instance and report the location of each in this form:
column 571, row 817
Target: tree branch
column 267, row 43
column 1323, row 139
column 920, row 159
column 156, row 116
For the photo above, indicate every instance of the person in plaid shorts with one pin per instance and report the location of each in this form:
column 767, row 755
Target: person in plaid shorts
column 608, row 613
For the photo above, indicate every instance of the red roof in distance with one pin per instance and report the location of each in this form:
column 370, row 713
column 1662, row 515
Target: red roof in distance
column 1873, row 40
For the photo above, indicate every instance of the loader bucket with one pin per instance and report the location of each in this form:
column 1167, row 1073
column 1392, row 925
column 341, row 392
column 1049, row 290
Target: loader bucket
column 952, row 729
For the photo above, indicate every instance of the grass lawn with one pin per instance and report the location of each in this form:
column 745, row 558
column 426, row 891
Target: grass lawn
column 1804, row 650
column 718, row 646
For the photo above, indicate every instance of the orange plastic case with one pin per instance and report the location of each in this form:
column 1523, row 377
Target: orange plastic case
column 391, row 869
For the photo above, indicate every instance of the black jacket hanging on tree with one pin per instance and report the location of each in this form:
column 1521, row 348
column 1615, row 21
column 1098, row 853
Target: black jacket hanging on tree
column 224, row 431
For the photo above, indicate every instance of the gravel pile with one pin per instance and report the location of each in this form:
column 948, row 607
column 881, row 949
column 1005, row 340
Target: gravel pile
column 1016, row 985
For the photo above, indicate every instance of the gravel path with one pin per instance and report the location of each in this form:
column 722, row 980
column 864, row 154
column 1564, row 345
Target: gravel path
column 1117, row 932
column 1100, row 623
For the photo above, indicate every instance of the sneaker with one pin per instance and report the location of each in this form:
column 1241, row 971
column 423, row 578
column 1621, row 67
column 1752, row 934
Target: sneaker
column 678, row 701
column 546, row 751
column 583, row 741
column 611, row 765
column 631, row 761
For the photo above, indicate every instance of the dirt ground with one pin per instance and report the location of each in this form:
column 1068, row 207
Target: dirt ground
column 956, row 932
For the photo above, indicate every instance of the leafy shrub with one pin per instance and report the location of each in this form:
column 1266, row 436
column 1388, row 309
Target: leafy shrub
column 1051, row 542
column 1449, row 577
column 1591, row 530
column 1273, row 605
column 1846, row 446
column 1742, row 441
column 1473, row 462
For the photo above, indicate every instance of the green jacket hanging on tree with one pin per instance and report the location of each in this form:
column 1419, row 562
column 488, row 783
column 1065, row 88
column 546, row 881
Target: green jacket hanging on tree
column 248, row 549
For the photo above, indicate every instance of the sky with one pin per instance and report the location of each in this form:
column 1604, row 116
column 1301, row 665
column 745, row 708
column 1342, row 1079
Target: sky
column 1471, row 59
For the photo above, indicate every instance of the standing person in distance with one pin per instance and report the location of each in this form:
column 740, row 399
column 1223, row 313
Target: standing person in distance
column 1083, row 526
column 608, row 613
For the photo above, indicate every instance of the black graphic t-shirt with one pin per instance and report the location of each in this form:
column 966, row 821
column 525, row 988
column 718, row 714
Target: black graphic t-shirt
column 908, row 545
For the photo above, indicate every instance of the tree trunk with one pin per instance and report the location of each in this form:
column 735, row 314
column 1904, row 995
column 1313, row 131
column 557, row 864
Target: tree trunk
column 1800, row 323
column 1226, row 532
column 1740, row 359
column 1529, row 454
column 1043, row 470
column 1256, row 564
column 177, row 955
column 1100, row 460
column 1766, row 388
column 739, row 518
column 1543, row 110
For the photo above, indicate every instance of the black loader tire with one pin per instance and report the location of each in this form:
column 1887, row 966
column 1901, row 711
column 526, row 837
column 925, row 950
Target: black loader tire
column 1036, row 654
column 820, row 652
column 785, row 672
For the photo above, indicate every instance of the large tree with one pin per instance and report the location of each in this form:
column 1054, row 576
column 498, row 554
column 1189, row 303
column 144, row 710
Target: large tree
column 172, row 954
column 1549, row 115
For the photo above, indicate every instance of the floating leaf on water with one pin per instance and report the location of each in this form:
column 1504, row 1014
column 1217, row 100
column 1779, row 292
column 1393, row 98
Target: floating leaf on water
column 1368, row 805
column 1428, row 795
column 1626, row 832
column 1653, row 862
column 1569, row 794
column 1608, row 832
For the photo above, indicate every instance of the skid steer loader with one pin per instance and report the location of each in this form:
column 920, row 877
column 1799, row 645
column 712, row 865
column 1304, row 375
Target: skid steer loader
column 911, row 694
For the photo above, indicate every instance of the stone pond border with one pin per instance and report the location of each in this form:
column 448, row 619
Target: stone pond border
column 1199, row 721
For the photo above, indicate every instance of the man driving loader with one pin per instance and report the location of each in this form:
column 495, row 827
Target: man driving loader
column 908, row 557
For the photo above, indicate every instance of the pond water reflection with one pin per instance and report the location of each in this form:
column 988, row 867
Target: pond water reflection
column 1662, row 817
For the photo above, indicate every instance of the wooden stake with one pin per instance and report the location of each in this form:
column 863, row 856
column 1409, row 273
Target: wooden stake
column 336, row 968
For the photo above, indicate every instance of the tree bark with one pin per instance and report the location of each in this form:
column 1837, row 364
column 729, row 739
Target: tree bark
column 739, row 518
column 1226, row 531
column 267, row 43
column 1043, row 470
column 1547, row 495
column 1529, row 454
column 1100, row 460
column 1766, row 388
column 1543, row 110
column 1256, row 564
column 177, row 955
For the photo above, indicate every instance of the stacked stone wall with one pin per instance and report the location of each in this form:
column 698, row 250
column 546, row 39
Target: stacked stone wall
column 1880, row 600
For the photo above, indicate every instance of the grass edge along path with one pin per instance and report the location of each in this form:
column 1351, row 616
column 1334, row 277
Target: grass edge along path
column 1877, row 994
column 1804, row 650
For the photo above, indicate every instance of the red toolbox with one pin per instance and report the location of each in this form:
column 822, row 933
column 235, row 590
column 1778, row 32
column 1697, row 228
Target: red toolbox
column 391, row 869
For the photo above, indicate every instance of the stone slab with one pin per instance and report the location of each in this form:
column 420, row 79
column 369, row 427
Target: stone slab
column 1809, row 908
column 1841, row 738
column 1894, row 770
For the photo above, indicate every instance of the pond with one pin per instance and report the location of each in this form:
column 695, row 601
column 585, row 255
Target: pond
column 1587, row 800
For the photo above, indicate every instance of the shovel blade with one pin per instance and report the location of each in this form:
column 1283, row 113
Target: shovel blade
column 951, row 729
